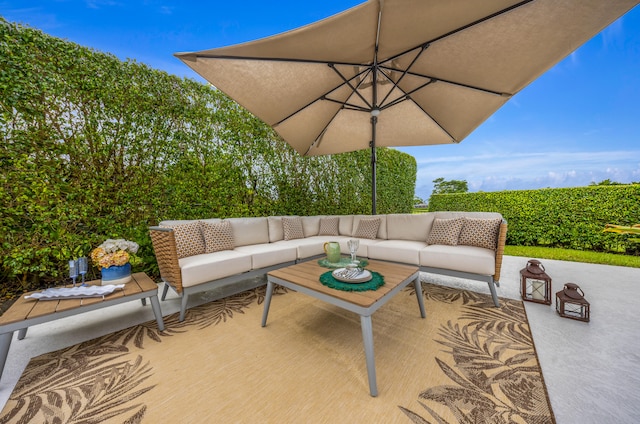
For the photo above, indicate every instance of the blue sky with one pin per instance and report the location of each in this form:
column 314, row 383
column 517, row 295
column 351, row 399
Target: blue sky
column 578, row 123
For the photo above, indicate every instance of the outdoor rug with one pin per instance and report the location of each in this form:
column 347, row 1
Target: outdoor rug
column 467, row 362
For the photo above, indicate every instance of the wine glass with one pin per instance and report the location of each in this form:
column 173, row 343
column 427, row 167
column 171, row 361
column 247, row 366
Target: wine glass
column 73, row 271
column 83, row 267
column 353, row 245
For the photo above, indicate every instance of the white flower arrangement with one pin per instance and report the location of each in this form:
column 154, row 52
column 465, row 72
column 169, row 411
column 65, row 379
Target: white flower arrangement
column 114, row 252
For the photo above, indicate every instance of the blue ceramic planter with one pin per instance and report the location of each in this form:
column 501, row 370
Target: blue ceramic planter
column 116, row 274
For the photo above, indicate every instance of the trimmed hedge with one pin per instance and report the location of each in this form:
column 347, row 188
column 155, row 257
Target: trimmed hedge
column 95, row 148
column 571, row 218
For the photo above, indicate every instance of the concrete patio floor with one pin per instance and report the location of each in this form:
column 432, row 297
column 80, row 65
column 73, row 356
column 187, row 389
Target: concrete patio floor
column 592, row 370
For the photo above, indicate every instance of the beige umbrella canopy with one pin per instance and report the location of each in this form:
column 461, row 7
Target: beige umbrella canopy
column 400, row 72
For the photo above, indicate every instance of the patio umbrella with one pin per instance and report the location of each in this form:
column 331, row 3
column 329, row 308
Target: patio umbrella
column 400, row 72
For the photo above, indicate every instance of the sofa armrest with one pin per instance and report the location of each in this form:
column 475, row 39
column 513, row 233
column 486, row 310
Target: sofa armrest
column 164, row 245
column 502, row 238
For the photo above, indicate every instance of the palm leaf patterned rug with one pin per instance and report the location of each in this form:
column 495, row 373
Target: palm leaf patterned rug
column 467, row 362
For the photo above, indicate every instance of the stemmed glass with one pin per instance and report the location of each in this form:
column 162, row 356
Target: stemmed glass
column 83, row 267
column 353, row 245
column 73, row 271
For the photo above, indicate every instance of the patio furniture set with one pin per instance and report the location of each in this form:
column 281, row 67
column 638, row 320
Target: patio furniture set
column 196, row 256
column 200, row 255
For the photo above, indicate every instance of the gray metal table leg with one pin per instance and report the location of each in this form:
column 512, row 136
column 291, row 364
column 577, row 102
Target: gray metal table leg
column 267, row 302
column 5, row 343
column 494, row 294
column 418, row 287
column 155, row 305
column 183, row 306
column 165, row 290
column 22, row 333
column 367, row 338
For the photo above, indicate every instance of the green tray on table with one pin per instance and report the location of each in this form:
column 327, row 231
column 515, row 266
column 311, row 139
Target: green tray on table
column 342, row 263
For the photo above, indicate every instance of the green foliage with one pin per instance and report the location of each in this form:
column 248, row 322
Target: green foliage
column 585, row 256
column 95, row 148
column 442, row 186
column 571, row 218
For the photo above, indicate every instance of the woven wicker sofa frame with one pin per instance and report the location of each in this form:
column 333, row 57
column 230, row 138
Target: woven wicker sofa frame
column 164, row 244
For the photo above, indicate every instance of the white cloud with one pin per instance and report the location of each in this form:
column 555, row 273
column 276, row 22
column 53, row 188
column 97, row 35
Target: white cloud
column 520, row 171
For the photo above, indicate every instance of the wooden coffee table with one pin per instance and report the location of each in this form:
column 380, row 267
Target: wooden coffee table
column 305, row 278
column 25, row 313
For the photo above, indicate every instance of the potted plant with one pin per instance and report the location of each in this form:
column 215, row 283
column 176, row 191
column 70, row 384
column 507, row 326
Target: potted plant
column 113, row 258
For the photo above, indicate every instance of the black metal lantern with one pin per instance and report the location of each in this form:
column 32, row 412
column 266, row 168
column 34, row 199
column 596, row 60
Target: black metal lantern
column 535, row 284
column 570, row 303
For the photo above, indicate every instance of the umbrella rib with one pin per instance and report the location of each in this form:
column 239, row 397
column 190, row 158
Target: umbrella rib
column 348, row 82
column 404, row 73
column 268, row 59
column 324, row 96
column 462, row 28
column 345, row 104
column 415, row 74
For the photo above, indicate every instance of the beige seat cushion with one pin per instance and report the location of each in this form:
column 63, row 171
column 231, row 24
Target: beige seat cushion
column 213, row 266
column 405, row 251
column 312, row 246
column 264, row 255
column 471, row 259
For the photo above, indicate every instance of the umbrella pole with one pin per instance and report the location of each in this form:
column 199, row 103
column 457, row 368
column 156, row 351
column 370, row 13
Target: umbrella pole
column 374, row 121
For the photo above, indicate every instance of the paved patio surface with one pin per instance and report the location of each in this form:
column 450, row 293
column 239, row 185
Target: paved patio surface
column 592, row 370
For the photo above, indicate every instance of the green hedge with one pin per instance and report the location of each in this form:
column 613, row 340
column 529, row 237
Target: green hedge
column 571, row 218
column 94, row 147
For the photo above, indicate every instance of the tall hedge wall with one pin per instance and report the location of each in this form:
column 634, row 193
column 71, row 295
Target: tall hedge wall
column 94, row 147
column 571, row 218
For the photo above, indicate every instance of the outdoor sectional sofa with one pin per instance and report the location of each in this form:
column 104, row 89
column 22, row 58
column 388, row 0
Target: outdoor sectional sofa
column 195, row 256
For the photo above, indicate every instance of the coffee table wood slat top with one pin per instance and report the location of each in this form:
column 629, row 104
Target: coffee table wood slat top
column 307, row 274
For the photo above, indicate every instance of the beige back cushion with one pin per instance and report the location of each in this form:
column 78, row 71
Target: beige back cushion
column 276, row 232
column 247, row 231
column 409, row 226
column 345, row 227
column 310, row 225
column 456, row 214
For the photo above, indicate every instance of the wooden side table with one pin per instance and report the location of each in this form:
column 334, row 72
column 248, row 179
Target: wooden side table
column 25, row 313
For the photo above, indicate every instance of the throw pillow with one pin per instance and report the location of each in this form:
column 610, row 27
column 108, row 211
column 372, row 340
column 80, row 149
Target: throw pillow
column 189, row 241
column 217, row 236
column 480, row 232
column 368, row 228
column 445, row 231
column 292, row 226
column 329, row 226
